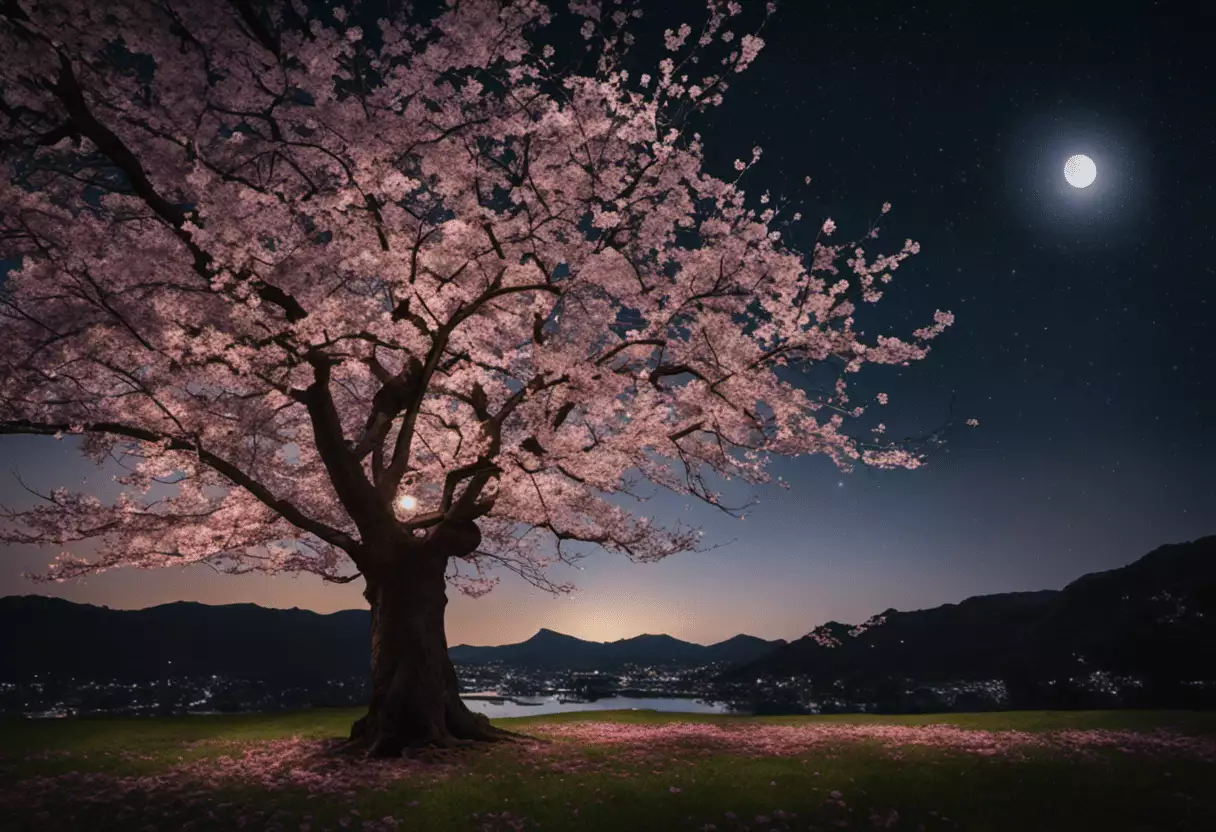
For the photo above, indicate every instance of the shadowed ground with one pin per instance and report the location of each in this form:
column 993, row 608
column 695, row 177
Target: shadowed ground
column 1130, row 770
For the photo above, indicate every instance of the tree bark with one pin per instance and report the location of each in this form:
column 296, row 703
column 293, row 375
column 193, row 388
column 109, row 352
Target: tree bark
column 415, row 701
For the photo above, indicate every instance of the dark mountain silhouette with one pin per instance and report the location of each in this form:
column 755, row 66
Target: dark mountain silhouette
column 1154, row 618
column 544, row 649
column 974, row 639
column 53, row 636
column 741, row 649
column 550, row 649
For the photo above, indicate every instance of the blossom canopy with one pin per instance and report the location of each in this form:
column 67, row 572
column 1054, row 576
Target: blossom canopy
column 320, row 282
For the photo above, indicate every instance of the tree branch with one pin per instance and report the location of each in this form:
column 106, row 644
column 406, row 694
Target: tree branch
column 370, row 513
column 401, row 453
column 67, row 90
column 287, row 510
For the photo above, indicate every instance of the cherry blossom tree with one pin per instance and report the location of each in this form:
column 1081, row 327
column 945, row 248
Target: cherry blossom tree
column 413, row 296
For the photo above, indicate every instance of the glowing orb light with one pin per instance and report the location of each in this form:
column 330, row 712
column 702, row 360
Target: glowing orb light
column 407, row 502
column 1080, row 171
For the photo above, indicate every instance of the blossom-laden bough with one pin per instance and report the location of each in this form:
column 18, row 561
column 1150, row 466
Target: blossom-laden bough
column 409, row 294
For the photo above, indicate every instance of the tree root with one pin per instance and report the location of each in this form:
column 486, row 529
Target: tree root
column 466, row 735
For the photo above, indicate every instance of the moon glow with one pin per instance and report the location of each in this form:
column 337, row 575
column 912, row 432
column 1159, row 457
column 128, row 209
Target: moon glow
column 1080, row 171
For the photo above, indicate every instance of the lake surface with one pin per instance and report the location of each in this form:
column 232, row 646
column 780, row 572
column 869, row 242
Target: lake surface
column 550, row 705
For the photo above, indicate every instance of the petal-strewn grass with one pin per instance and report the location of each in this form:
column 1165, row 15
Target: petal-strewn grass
column 621, row 771
column 782, row 740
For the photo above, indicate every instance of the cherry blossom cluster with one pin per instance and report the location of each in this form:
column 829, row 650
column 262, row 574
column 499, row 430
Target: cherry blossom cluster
column 296, row 270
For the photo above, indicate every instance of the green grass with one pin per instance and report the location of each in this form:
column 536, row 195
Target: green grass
column 613, row 787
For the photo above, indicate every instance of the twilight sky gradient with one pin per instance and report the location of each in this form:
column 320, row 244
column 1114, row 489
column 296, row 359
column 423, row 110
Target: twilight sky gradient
column 1083, row 339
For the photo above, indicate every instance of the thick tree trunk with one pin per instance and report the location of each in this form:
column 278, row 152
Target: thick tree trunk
column 415, row 700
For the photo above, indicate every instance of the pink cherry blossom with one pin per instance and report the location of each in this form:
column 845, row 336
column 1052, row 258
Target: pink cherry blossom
column 785, row 740
column 675, row 39
column 340, row 305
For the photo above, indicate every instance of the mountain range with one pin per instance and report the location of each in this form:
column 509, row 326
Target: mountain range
column 53, row 636
column 551, row 649
column 44, row 635
column 1154, row 619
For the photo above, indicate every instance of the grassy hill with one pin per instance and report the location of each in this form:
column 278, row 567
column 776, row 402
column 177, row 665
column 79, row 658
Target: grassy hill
column 640, row 770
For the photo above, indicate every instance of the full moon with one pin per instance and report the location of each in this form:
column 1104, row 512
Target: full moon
column 1080, row 171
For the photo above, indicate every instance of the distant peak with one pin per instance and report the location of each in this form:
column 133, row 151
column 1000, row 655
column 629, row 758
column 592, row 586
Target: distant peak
column 545, row 632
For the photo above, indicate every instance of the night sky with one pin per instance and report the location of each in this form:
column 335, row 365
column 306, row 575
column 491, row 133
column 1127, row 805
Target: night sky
column 1083, row 340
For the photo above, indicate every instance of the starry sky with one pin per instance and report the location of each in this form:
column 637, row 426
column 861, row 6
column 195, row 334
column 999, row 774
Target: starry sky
column 1083, row 340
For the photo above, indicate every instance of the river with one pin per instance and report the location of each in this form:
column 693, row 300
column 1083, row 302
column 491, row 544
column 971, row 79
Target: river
column 550, row 705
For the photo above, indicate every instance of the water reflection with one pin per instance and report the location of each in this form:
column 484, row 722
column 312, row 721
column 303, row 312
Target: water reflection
column 551, row 705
